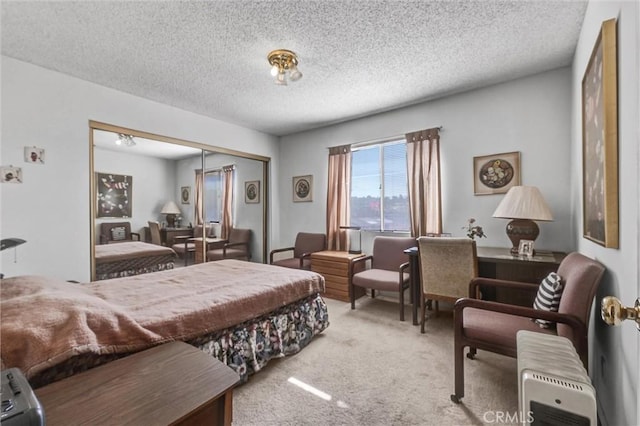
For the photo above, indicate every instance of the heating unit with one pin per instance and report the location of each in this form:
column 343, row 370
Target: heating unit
column 553, row 386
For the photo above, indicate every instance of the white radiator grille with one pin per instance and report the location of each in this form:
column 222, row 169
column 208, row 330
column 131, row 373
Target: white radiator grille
column 553, row 386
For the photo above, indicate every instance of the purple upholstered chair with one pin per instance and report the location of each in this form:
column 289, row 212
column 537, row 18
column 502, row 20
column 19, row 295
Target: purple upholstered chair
column 388, row 270
column 306, row 243
column 237, row 246
column 184, row 246
column 492, row 326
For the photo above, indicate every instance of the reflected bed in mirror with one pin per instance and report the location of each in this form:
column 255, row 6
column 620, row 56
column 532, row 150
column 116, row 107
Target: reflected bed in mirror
column 136, row 174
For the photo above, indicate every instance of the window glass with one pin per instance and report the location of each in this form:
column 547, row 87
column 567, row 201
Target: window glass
column 379, row 194
column 366, row 188
column 395, row 189
column 213, row 196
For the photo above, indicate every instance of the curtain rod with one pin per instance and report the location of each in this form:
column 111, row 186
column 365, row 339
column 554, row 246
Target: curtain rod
column 382, row 140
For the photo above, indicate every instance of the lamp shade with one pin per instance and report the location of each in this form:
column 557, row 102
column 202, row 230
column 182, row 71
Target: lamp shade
column 523, row 202
column 170, row 208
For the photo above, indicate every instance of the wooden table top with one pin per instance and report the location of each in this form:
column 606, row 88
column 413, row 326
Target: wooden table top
column 160, row 385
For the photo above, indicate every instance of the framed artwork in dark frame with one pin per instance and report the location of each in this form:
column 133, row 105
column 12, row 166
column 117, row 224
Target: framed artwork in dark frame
column 114, row 195
column 302, row 188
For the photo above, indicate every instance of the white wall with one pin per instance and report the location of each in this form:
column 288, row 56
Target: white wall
column 614, row 356
column 153, row 185
column 530, row 115
column 51, row 208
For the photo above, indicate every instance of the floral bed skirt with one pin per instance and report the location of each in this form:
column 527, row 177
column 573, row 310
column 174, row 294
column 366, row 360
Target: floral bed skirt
column 105, row 271
column 248, row 347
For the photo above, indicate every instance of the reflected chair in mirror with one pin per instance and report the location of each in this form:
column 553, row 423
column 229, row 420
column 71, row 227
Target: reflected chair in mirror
column 117, row 232
column 492, row 326
column 388, row 269
column 236, row 247
column 154, row 232
column 306, row 243
column 185, row 246
column 447, row 266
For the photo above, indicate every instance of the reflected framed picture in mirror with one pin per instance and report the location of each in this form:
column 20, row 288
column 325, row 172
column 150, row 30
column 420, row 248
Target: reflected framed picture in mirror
column 185, row 195
column 252, row 192
column 302, row 188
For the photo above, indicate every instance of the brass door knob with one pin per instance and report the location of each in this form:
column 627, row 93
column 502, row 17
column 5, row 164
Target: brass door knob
column 613, row 312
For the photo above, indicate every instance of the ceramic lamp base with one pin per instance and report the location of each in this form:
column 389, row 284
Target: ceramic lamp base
column 171, row 220
column 521, row 229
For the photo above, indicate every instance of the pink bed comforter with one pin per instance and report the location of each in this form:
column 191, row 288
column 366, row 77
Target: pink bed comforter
column 46, row 321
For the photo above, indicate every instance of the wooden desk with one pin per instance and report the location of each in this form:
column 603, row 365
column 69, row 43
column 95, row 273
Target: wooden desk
column 170, row 384
column 495, row 262
column 167, row 235
column 335, row 267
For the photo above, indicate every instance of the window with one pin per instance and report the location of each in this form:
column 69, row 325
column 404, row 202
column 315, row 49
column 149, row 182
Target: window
column 379, row 189
column 213, row 196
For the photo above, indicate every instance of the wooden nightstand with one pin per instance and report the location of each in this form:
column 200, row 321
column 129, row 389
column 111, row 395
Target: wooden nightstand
column 170, row 384
column 335, row 267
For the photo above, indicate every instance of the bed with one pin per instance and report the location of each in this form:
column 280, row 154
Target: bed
column 127, row 258
column 242, row 313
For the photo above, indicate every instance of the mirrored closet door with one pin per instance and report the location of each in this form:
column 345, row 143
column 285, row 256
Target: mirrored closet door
column 161, row 190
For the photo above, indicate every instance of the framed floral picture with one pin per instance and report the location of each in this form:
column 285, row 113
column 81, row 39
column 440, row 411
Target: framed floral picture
column 302, row 188
column 496, row 174
column 10, row 174
column 600, row 141
column 34, row 155
column 252, row 192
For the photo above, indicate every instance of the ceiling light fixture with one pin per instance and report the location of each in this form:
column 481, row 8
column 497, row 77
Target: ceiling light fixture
column 284, row 62
column 127, row 140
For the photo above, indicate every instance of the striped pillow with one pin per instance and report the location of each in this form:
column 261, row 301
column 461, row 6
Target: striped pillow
column 548, row 297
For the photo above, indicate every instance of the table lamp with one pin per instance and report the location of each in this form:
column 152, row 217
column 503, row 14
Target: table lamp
column 171, row 210
column 523, row 204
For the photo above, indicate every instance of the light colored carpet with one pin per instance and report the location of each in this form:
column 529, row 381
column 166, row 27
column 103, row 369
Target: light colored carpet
column 373, row 369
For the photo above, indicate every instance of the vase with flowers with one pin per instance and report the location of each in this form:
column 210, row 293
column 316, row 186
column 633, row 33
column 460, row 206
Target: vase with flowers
column 473, row 230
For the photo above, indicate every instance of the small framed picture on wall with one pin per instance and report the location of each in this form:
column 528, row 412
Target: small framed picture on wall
column 185, row 195
column 302, row 188
column 496, row 173
column 34, row 155
column 10, row 174
column 252, row 192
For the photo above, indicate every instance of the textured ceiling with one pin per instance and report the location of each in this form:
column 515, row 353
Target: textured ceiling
column 357, row 57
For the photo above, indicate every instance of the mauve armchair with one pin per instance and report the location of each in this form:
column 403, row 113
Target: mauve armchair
column 305, row 244
column 492, row 326
column 388, row 272
column 236, row 247
column 184, row 245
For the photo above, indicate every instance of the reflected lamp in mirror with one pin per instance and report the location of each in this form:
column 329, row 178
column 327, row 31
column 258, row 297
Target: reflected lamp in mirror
column 523, row 205
column 171, row 210
column 354, row 239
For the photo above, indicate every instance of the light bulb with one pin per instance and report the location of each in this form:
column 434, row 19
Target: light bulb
column 295, row 74
column 281, row 80
column 274, row 70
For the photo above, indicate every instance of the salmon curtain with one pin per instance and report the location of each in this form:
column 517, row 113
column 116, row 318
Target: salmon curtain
column 423, row 174
column 227, row 201
column 338, row 195
column 198, row 199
